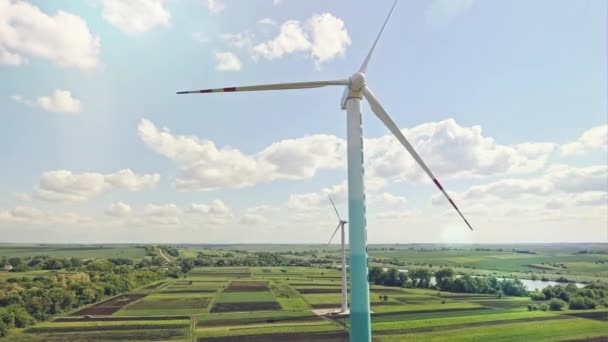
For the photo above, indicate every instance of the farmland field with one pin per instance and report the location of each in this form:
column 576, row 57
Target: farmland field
column 222, row 304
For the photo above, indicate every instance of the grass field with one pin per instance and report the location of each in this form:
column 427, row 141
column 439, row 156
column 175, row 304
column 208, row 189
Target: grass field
column 222, row 304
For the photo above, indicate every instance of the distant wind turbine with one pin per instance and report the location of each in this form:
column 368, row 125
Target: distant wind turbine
column 355, row 88
column 340, row 226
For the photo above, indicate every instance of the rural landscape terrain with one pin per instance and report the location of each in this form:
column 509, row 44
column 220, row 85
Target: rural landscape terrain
column 421, row 292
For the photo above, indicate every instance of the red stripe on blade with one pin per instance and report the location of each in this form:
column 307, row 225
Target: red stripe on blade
column 437, row 183
column 229, row 89
column 453, row 203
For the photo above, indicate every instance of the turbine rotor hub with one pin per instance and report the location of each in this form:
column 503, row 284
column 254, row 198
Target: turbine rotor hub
column 357, row 81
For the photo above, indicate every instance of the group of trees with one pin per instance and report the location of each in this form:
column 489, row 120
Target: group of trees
column 251, row 259
column 40, row 262
column 588, row 297
column 446, row 280
column 24, row 301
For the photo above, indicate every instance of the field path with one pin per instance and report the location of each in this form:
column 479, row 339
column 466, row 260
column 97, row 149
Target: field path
column 160, row 251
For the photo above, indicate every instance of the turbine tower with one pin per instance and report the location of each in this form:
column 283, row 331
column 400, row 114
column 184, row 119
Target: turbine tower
column 355, row 89
column 341, row 223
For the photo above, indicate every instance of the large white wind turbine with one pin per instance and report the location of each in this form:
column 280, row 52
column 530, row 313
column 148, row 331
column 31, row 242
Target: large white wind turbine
column 355, row 88
column 340, row 226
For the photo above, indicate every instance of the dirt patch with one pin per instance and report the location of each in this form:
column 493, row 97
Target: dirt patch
column 127, row 335
column 247, row 286
column 266, row 270
column 325, row 305
column 468, row 325
column 319, row 290
column 389, row 291
column 501, row 304
column 333, row 336
column 41, row 330
column 232, row 307
column 109, row 306
column 256, row 320
column 119, row 318
column 598, row 316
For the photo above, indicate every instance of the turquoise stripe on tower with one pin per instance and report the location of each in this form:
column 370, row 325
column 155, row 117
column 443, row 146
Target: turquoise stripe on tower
column 359, row 307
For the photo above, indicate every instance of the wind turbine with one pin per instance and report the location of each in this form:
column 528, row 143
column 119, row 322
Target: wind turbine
column 355, row 88
column 340, row 226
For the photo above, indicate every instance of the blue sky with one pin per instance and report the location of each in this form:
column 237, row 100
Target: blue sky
column 506, row 100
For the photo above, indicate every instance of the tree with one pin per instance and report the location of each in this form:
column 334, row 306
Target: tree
column 556, row 304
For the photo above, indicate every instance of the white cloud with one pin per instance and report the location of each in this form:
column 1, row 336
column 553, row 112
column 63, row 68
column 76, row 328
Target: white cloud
column 29, row 215
column 239, row 40
column 135, row 17
column 557, row 180
column 592, row 139
column 164, row 214
column 64, row 185
column 227, row 61
column 442, row 11
column 63, row 38
column 200, row 37
column 206, row 167
column 290, row 39
column 61, row 102
column 451, row 151
column 119, row 209
column 267, row 21
column 215, row 6
column 324, row 37
column 329, row 37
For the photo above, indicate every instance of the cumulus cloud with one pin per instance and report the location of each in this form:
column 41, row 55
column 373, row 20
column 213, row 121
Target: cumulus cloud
column 267, row 21
column 61, row 101
column 206, row 167
column 63, row 38
column 135, row 17
column 119, row 209
column 239, row 40
column 443, row 11
column 595, row 138
column 324, row 37
column 451, row 151
column 164, row 214
column 29, row 215
column 227, row 61
column 64, row 185
column 557, row 180
column 215, row 6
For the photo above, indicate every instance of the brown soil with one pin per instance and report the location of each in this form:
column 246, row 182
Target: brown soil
column 247, row 286
column 333, row 336
column 599, row 316
column 232, row 307
column 110, row 306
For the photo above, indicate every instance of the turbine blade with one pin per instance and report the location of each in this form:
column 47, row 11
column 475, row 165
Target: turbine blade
column 333, row 205
column 334, row 234
column 388, row 122
column 276, row 86
column 371, row 51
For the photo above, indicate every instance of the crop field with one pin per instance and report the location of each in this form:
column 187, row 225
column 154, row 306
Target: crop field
column 76, row 251
column 223, row 304
column 258, row 308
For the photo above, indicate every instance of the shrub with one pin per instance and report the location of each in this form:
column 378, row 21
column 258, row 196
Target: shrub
column 556, row 304
column 537, row 295
column 543, row 307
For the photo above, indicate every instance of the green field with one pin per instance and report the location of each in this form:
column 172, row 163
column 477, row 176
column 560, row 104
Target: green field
column 278, row 304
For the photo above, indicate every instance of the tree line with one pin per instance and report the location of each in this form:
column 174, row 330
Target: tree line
column 23, row 301
column 446, row 280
